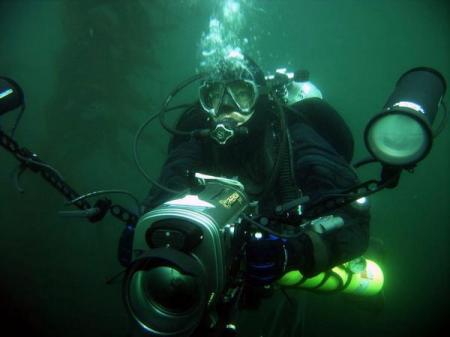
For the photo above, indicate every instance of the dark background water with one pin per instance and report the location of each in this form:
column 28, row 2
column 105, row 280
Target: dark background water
column 92, row 71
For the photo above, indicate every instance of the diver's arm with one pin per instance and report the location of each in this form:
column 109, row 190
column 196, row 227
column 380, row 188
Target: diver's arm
column 184, row 156
column 321, row 172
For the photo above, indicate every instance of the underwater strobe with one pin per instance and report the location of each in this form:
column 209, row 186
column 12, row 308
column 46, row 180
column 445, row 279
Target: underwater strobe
column 401, row 135
column 182, row 257
column 11, row 95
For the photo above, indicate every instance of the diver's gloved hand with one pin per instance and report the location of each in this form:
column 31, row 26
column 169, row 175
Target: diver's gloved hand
column 269, row 257
column 266, row 259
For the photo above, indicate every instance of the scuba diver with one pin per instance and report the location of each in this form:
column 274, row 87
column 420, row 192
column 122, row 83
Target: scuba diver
column 273, row 199
column 289, row 148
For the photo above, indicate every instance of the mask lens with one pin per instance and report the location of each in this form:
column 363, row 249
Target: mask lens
column 243, row 93
column 211, row 95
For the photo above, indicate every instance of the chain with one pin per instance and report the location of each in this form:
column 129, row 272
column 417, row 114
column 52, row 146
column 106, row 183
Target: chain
column 30, row 160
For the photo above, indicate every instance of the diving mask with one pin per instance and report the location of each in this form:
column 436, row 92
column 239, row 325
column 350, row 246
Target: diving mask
column 236, row 97
column 230, row 104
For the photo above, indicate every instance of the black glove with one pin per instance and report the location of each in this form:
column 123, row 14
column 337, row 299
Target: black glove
column 265, row 259
column 269, row 257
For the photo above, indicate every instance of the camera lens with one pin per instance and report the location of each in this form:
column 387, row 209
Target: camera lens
column 170, row 290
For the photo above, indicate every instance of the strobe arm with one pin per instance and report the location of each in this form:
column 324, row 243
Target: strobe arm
column 389, row 179
column 30, row 160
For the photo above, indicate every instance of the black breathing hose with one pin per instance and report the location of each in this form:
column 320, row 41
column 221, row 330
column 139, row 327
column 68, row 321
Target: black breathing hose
column 288, row 187
column 164, row 109
column 281, row 148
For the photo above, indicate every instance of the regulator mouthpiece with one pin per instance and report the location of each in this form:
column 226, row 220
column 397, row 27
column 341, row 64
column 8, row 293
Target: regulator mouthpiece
column 225, row 130
column 401, row 135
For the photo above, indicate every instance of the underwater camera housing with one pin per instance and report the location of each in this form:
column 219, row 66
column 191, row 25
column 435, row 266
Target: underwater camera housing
column 182, row 257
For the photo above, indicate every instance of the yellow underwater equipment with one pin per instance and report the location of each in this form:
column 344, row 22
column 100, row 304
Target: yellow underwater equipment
column 361, row 277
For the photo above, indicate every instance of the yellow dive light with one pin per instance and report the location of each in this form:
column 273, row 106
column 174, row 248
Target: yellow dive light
column 365, row 282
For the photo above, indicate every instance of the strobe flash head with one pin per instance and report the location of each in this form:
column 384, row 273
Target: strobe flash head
column 11, row 95
column 401, row 135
